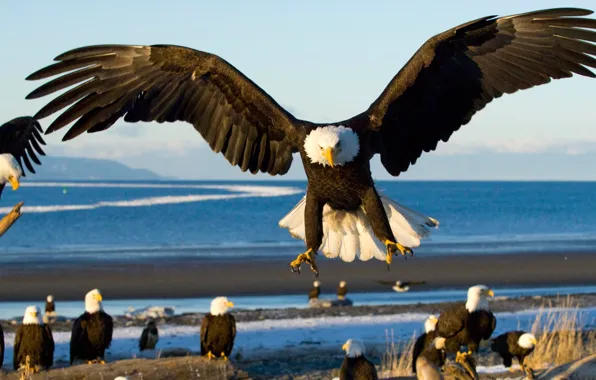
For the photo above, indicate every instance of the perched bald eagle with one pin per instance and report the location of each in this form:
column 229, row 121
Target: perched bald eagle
column 467, row 324
column 355, row 365
column 514, row 344
column 451, row 77
column 19, row 140
column 218, row 330
column 91, row 332
column 342, row 290
column 428, row 365
column 315, row 292
column 149, row 337
column 425, row 339
column 33, row 339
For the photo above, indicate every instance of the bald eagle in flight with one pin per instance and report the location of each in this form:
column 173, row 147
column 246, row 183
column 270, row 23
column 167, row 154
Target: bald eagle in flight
column 451, row 77
column 19, row 140
column 467, row 324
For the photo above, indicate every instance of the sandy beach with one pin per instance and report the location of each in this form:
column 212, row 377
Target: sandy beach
column 204, row 278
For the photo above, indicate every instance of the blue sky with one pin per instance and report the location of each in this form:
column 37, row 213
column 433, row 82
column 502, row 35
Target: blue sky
column 323, row 60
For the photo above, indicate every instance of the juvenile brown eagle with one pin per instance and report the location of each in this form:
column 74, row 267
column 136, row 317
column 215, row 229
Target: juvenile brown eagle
column 450, row 78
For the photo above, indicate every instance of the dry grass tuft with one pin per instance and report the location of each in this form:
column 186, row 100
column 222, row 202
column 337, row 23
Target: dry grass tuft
column 397, row 359
column 560, row 336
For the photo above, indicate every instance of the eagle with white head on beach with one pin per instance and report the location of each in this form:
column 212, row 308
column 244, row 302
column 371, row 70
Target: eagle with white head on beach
column 467, row 324
column 20, row 138
column 218, row 330
column 451, row 77
column 33, row 339
column 91, row 332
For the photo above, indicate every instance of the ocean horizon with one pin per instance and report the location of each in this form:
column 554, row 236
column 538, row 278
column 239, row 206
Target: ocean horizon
column 179, row 219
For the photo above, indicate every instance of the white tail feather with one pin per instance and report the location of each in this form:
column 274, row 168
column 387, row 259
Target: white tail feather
column 349, row 234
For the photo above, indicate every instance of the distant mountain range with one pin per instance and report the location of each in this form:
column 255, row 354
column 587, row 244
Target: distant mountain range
column 77, row 168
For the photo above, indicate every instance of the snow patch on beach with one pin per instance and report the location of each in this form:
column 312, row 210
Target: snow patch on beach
column 236, row 191
column 265, row 338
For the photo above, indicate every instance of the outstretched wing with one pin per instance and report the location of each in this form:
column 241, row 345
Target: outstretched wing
column 166, row 83
column 21, row 138
column 383, row 282
column 410, row 283
column 456, row 73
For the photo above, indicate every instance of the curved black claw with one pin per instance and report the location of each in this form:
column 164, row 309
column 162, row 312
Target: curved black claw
column 295, row 269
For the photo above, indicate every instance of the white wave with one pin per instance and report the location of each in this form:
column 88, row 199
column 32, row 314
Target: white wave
column 237, row 191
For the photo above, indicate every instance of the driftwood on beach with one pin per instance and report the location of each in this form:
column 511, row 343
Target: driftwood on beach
column 10, row 218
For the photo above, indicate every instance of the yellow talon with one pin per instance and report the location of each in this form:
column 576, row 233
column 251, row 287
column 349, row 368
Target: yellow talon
column 89, row 362
column 306, row 257
column 210, row 355
column 224, row 356
column 102, row 362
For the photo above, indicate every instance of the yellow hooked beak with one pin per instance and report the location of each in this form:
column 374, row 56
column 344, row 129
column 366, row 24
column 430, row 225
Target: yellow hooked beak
column 534, row 342
column 15, row 182
column 490, row 293
column 344, row 347
column 34, row 313
column 229, row 304
column 98, row 297
column 328, row 153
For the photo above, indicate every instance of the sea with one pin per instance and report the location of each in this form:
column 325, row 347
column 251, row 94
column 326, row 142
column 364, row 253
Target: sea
column 136, row 221
column 100, row 221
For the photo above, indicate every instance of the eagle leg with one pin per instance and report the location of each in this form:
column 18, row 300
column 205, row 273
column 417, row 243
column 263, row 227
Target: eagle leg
column 393, row 248
column 210, row 355
column 306, row 257
column 223, row 355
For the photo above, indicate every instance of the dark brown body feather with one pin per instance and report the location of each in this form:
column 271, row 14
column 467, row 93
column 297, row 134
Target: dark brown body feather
column 314, row 292
column 217, row 334
column 1, row 346
column 50, row 307
column 450, row 78
column 342, row 291
column 506, row 346
column 149, row 338
column 91, row 336
column 37, row 342
column 421, row 343
column 22, row 137
column 460, row 327
column 359, row 368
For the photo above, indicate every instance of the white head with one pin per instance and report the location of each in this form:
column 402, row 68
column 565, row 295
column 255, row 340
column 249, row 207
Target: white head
column 10, row 170
column 439, row 343
column 430, row 323
column 316, row 284
column 527, row 341
column 32, row 316
column 93, row 301
column 331, row 145
column 478, row 298
column 220, row 306
column 342, row 284
column 353, row 348
column 50, row 298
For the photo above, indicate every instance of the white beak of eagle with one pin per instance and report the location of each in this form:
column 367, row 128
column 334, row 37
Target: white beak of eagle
column 331, row 145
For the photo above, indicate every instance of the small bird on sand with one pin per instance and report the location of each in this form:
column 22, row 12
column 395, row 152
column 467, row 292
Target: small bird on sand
column 425, row 339
column 401, row 286
column 355, row 365
column 218, row 330
column 514, row 344
column 342, row 290
column 315, row 291
column 149, row 337
column 431, row 359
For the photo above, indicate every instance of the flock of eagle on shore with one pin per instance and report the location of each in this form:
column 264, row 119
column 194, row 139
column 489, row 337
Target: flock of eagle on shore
column 451, row 77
